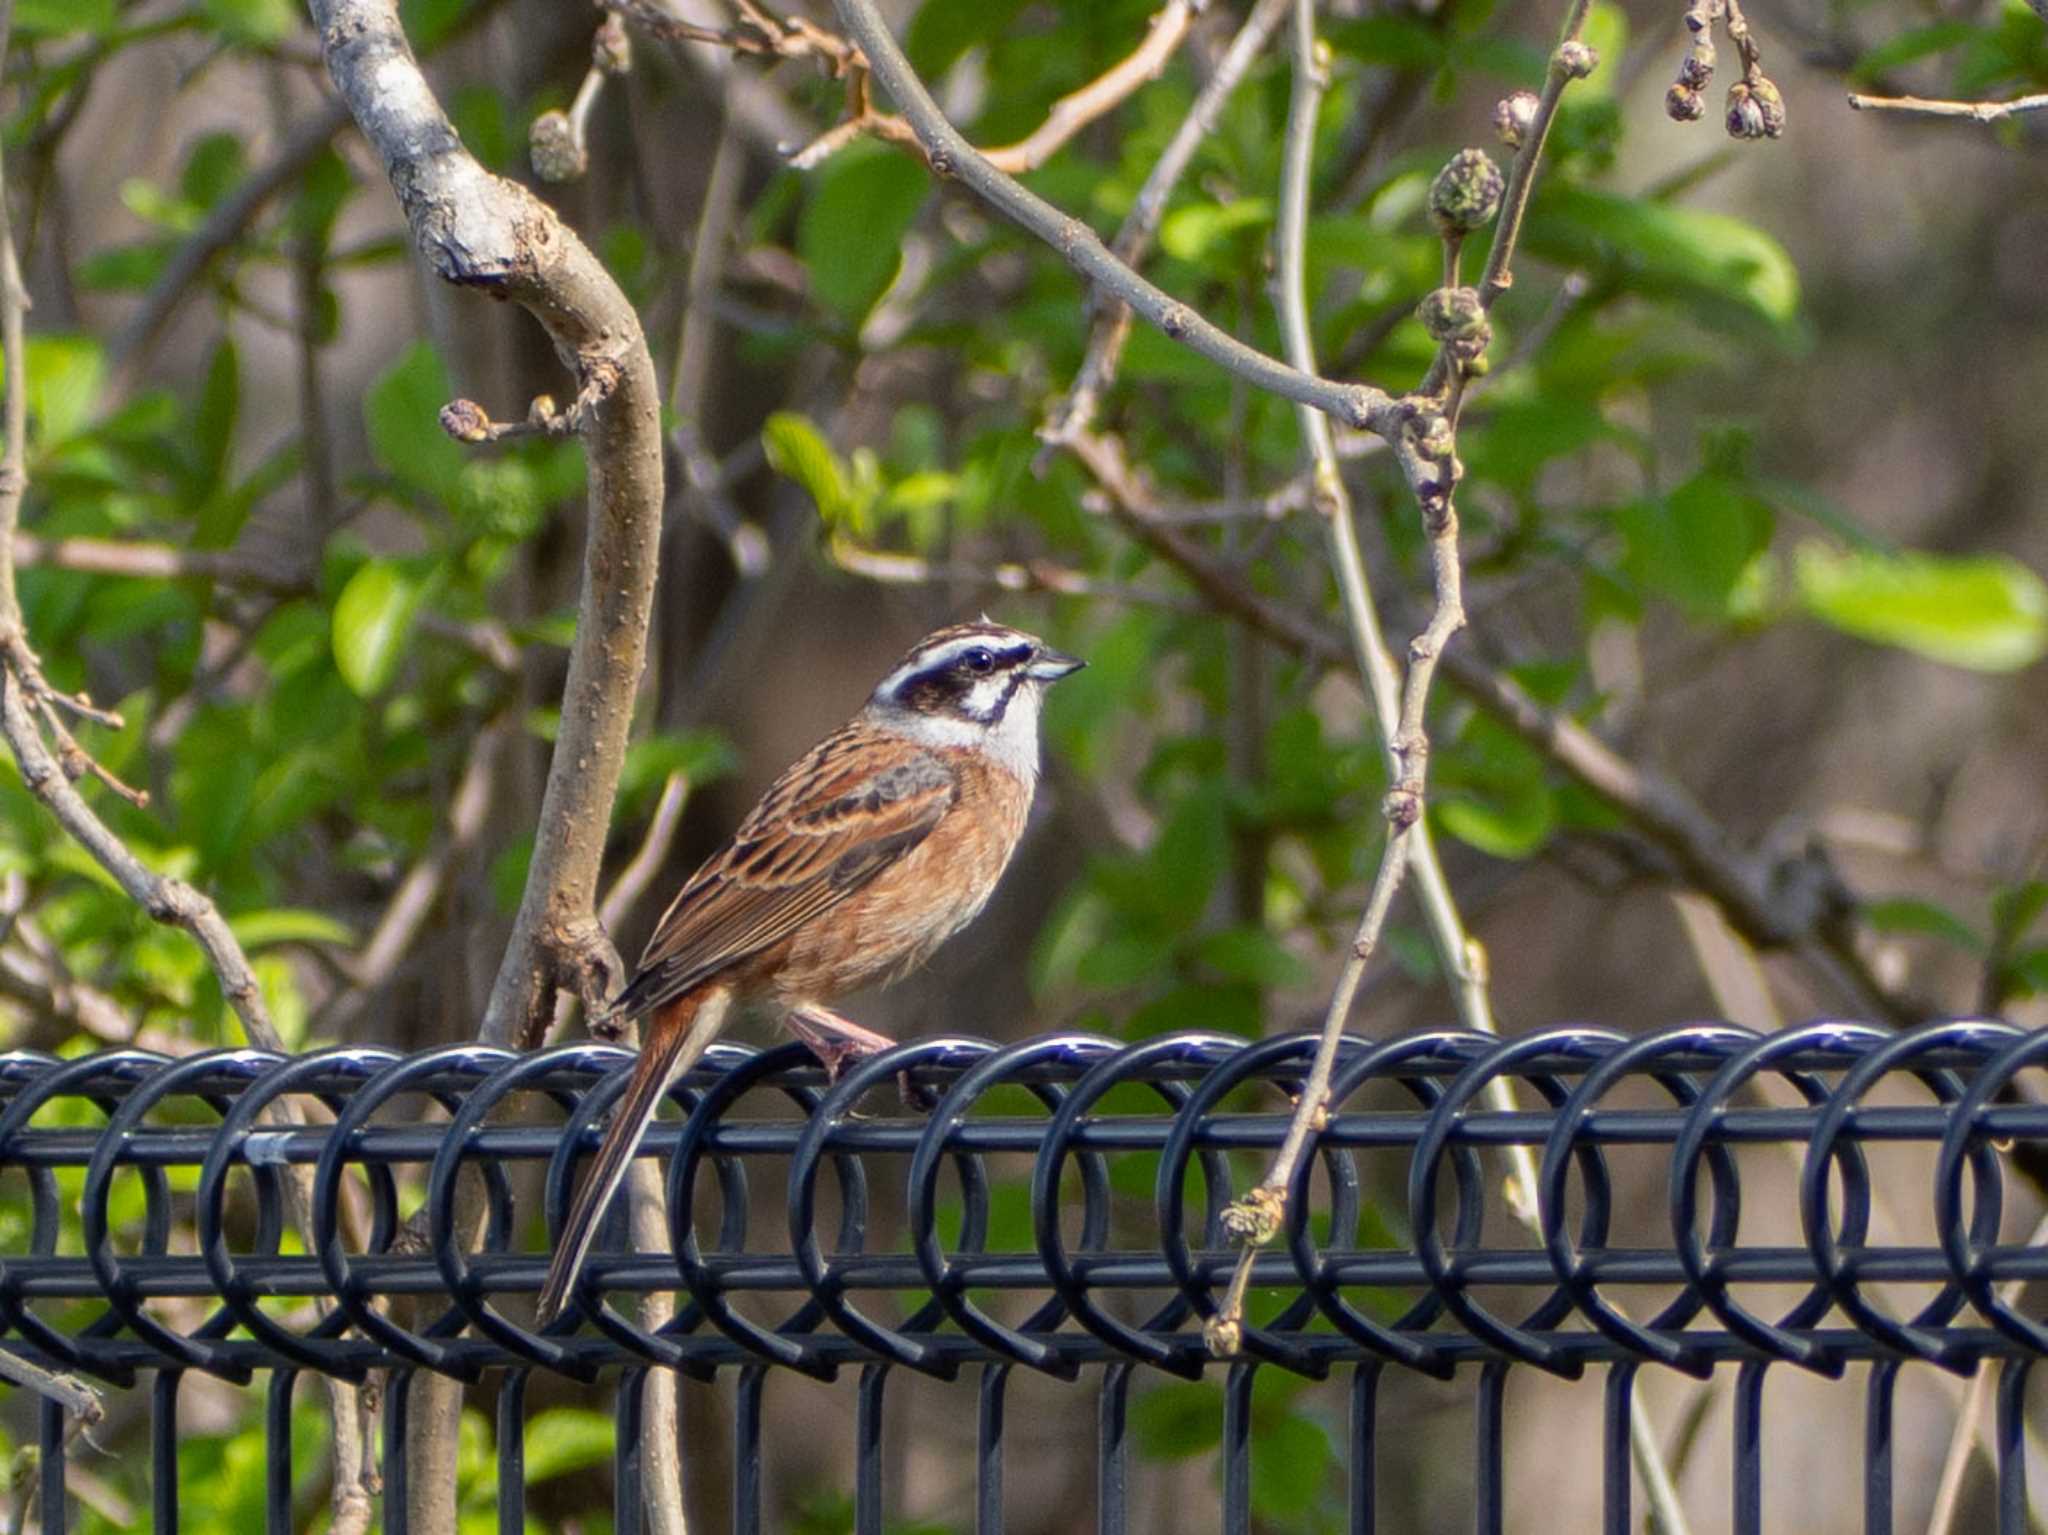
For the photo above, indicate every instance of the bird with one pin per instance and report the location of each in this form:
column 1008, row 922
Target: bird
column 870, row 851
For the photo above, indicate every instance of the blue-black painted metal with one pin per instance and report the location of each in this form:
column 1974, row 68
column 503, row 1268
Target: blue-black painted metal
column 900, row 1252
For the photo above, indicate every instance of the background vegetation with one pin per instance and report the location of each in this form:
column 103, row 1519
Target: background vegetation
column 1754, row 496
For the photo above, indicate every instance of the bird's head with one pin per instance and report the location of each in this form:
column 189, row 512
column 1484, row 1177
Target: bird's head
column 977, row 684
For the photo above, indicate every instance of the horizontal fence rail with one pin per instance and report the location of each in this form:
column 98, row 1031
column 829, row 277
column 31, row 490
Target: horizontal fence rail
column 159, row 1235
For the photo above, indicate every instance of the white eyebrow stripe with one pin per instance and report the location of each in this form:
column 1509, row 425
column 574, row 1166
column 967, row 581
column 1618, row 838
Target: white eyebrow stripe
column 939, row 657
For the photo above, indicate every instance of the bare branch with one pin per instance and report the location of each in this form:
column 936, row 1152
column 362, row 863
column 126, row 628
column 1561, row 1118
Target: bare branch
column 1976, row 111
column 478, row 230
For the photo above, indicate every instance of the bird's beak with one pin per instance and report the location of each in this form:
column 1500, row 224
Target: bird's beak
column 1050, row 666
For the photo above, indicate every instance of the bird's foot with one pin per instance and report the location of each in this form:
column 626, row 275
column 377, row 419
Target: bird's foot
column 838, row 1042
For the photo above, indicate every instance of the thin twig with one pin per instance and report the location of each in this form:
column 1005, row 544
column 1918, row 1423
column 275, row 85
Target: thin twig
column 1430, row 459
column 894, row 569
column 1074, row 413
column 1076, row 110
column 950, row 154
column 227, row 221
column 1966, row 1440
column 702, row 482
column 1976, row 111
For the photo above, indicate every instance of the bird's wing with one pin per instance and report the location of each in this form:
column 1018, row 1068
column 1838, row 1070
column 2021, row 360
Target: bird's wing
column 831, row 823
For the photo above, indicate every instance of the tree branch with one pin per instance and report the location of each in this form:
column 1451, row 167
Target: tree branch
column 478, row 230
column 1976, row 111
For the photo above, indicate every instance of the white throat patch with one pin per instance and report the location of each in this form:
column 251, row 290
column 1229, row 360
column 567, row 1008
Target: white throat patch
column 1012, row 740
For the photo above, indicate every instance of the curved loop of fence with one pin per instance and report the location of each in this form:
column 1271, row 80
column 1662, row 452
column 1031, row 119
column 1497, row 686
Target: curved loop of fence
column 1058, row 1207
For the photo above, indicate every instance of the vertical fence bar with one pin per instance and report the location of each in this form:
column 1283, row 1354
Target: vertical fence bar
column 2012, row 1445
column 277, row 1442
column 1365, row 1407
column 1877, row 1448
column 988, row 1458
column 1488, row 1478
column 1237, row 1449
column 1617, row 1462
column 627, row 1463
column 53, row 1469
column 163, row 1450
column 512, row 1453
column 1112, row 1463
column 867, row 1450
column 397, row 1414
column 746, row 1450
column 1748, row 1511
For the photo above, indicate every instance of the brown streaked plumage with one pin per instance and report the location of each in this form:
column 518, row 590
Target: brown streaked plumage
column 870, row 851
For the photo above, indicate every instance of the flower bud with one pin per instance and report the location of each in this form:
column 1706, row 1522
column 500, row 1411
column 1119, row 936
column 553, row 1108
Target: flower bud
column 551, row 145
column 1683, row 104
column 1466, row 192
column 465, row 421
column 1577, row 60
column 1513, row 116
column 1452, row 314
column 1697, row 68
column 1745, row 115
column 1771, row 103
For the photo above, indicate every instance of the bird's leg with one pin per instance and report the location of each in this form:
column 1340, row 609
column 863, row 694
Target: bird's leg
column 837, row 1042
column 834, row 1040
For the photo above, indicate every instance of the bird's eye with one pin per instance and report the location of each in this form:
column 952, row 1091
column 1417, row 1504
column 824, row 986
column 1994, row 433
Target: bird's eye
column 979, row 661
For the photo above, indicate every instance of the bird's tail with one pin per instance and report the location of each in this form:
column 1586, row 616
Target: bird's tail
column 675, row 1037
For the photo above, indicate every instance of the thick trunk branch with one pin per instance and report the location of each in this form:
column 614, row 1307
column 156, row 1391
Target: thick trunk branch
column 480, row 230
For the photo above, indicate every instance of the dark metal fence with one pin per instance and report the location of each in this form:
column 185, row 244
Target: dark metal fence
column 1098, row 1295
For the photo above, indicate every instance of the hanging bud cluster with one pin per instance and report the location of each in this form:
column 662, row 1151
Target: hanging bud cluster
column 1755, row 107
column 1455, row 318
column 1466, row 193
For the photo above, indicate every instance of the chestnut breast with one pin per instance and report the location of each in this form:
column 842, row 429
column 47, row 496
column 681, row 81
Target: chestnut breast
column 893, row 924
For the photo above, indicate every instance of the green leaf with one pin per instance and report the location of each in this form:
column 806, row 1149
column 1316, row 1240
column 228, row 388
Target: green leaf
column 55, row 17
column 1696, row 545
column 372, row 619
column 1982, row 612
column 253, row 21
column 798, row 450
column 1177, row 1419
column 2014, row 910
column 1191, row 233
column 2026, row 973
column 1907, row 914
column 1710, row 259
column 1290, row 1469
column 216, row 164
column 260, row 929
column 941, row 32
column 1400, row 42
column 851, row 233
column 564, row 1439
column 402, row 413
column 64, row 376
column 1251, row 954
column 210, row 429
column 1909, row 47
